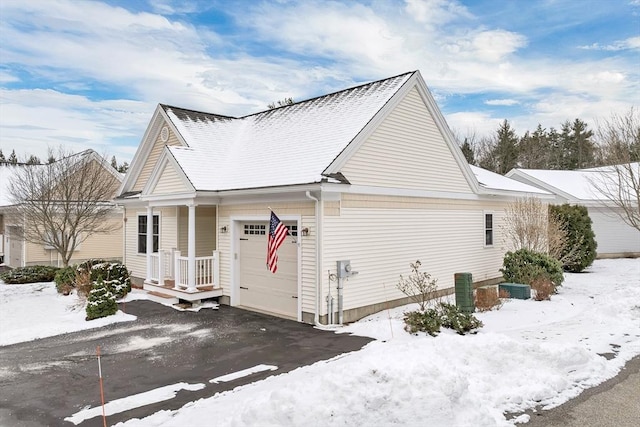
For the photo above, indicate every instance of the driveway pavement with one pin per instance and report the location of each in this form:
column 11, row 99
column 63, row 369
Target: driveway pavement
column 614, row 403
column 44, row 381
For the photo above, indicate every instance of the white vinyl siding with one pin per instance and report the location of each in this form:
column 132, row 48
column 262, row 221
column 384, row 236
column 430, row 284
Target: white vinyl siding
column 407, row 151
column 614, row 237
column 152, row 159
column 170, row 182
column 136, row 262
column 381, row 242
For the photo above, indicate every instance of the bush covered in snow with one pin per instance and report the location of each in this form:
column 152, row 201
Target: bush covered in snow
column 525, row 266
column 114, row 274
column 580, row 249
column 101, row 301
column 443, row 315
column 31, row 274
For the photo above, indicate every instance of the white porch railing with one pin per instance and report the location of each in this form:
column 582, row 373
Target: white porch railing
column 207, row 269
column 162, row 265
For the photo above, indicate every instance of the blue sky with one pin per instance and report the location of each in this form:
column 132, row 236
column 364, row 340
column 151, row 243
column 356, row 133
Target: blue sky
column 89, row 74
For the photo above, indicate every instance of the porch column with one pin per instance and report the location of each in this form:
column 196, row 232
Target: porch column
column 149, row 241
column 191, row 284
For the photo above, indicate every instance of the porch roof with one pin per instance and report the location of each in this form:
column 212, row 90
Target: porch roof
column 289, row 145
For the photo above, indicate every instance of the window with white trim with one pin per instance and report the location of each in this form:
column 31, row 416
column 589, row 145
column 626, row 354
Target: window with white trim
column 142, row 233
column 488, row 229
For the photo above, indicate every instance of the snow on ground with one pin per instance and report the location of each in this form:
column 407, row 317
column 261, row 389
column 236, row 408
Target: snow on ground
column 528, row 354
column 36, row 310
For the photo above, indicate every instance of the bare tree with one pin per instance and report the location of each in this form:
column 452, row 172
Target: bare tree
column 619, row 183
column 60, row 204
column 528, row 225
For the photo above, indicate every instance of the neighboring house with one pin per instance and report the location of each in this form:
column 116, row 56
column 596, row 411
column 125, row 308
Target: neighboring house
column 16, row 252
column 370, row 175
column 615, row 238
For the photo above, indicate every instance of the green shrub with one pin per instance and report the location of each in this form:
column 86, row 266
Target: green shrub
column 453, row 318
column 444, row 315
column 65, row 280
column 580, row 249
column 31, row 274
column 423, row 321
column 525, row 266
column 101, row 301
column 114, row 274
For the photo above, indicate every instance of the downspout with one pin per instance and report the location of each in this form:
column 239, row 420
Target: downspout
column 319, row 211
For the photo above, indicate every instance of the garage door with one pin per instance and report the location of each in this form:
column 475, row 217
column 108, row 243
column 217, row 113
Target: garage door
column 259, row 288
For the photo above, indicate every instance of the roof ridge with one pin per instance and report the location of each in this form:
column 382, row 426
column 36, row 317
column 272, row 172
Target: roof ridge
column 329, row 94
column 189, row 110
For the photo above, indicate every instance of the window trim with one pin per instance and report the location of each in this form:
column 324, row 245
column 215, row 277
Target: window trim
column 486, row 229
column 138, row 233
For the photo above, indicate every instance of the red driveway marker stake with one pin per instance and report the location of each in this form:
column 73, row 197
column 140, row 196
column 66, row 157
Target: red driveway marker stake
column 104, row 416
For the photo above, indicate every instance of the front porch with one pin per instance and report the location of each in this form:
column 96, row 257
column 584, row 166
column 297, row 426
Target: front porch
column 186, row 278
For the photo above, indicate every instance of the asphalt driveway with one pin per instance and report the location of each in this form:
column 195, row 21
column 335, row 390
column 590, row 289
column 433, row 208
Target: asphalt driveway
column 44, row 381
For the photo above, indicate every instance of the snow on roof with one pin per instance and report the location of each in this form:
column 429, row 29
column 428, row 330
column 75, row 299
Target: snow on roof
column 577, row 184
column 494, row 181
column 289, row 145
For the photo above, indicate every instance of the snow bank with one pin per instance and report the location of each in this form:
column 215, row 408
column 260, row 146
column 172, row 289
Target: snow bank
column 529, row 353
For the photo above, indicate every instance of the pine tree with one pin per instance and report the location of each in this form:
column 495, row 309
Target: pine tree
column 33, row 160
column 467, row 150
column 13, row 159
column 507, row 148
column 51, row 158
column 2, row 159
column 533, row 152
column 114, row 163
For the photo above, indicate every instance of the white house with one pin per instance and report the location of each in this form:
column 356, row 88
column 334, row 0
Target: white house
column 579, row 187
column 370, row 175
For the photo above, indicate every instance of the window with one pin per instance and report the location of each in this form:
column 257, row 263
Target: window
column 257, row 229
column 142, row 233
column 488, row 229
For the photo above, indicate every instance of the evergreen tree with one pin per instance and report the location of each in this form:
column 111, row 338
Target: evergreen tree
column 123, row 167
column 582, row 148
column 101, row 301
column 506, row 148
column 533, row 152
column 114, row 163
column 13, row 159
column 33, row 160
column 51, row 158
column 580, row 249
column 2, row 159
column 467, row 150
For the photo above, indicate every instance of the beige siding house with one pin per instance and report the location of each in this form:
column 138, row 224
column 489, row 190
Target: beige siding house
column 16, row 252
column 370, row 175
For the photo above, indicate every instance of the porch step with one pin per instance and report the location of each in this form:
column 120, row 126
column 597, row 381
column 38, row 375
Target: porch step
column 162, row 298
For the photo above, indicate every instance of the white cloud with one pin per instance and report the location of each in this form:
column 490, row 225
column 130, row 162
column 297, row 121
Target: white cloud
column 505, row 102
column 630, row 43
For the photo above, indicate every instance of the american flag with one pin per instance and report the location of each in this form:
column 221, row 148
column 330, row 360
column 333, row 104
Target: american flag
column 277, row 233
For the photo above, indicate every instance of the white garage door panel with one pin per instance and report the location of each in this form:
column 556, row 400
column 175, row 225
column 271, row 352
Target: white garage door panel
column 259, row 288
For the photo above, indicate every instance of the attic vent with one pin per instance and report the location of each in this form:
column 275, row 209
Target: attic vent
column 164, row 134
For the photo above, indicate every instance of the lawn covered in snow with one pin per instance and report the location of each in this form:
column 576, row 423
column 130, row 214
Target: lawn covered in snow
column 36, row 310
column 528, row 354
